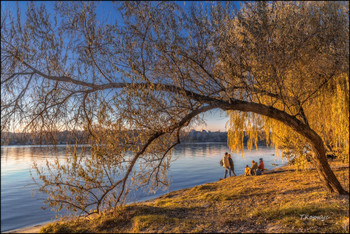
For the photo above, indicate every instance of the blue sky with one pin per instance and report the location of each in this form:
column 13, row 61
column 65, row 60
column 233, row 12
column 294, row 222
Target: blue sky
column 215, row 120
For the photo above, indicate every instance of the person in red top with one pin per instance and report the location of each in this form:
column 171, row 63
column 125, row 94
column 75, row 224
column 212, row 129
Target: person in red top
column 261, row 165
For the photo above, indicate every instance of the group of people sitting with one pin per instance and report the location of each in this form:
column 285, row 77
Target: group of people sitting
column 255, row 169
column 227, row 163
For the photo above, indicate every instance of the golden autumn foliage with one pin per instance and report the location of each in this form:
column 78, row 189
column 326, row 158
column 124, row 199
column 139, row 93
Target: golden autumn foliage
column 135, row 83
column 289, row 50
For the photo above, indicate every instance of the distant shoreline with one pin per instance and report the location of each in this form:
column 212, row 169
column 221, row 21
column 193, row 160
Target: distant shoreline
column 182, row 143
column 33, row 145
column 63, row 138
column 22, row 146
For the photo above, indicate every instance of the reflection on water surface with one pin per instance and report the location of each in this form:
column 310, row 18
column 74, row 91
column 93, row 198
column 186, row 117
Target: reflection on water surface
column 193, row 164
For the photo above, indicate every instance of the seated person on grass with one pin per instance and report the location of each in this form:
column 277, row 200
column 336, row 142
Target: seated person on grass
column 261, row 165
column 258, row 171
column 254, row 167
column 247, row 171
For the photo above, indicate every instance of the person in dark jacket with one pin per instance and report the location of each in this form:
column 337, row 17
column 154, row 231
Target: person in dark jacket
column 231, row 165
column 258, row 171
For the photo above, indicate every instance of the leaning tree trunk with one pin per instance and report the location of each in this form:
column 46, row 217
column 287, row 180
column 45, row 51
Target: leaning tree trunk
column 323, row 168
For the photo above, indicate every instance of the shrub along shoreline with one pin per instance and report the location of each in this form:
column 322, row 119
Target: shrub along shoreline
column 289, row 201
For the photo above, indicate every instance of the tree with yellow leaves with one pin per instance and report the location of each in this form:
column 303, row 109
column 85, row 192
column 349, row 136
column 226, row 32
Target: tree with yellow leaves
column 136, row 83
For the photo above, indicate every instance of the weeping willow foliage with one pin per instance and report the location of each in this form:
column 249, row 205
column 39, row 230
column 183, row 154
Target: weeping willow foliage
column 243, row 124
column 294, row 66
column 327, row 113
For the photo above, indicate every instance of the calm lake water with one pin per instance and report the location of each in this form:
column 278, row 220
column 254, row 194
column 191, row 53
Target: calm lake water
column 195, row 164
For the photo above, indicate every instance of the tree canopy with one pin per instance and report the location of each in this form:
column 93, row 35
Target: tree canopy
column 134, row 84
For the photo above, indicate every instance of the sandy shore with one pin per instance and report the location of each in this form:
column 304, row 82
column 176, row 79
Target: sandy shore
column 30, row 229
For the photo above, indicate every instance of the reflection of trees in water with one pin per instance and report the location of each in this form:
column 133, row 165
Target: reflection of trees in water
column 201, row 149
column 36, row 153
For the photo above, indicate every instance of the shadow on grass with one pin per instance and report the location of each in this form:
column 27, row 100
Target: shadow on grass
column 178, row 212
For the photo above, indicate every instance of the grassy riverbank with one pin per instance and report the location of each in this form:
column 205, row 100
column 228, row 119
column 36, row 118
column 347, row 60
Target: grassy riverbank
column 281, row 202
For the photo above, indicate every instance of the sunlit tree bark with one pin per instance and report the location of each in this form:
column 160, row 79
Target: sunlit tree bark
column 136, row 83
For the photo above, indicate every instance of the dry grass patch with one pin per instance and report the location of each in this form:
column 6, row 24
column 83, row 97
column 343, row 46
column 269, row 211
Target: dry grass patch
column 281, row 202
